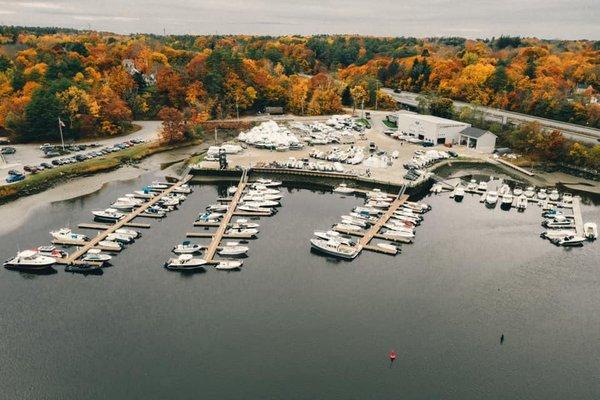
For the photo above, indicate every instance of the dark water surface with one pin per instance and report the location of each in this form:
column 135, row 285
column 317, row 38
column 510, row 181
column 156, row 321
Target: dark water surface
column 295, row 325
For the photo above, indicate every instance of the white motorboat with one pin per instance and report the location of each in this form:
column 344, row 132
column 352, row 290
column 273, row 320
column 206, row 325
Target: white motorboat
column 348, row 219
column 411, row 215
column 367, row 210
column 388, row 247
column 554, row 195
column 130, row 197
column 244, row 223
column 233, row 249
column 529, row 192
column 398, row 234
column 542, row 194
column 218, row 208
column 569, row 241
column 128, row 232
column 518, row 191
column 347, row 227
column 334, row 248
column 559, row 222
column 268, row 182
column 567, row 198
column 507, row 200
column 123, row 205
column 458, row 193
column 67, row 234
column 143, row 194
column 108, row 215
column 154, row 212
column 184, row 189
column 96, row 255
column 343, row 188
column 263, row 189
column 209, row 216
column 231, row 190
column 399, row 228
column 557, row 233
column 169, row 202
column 228, row 265
column 491, row 198
column 333, row 235
column 365, row 217
column 522, row 202
column 420, row 207
column 261, row 203
column 436, row 188
column 590, row 230
column 51, row 251
column 185, row 262
column 472, row 186
column 252, row 208
column 110, row 245
column 157, row 186
column 187, row 248
column 482, row 186
column 117, row 237
column 378, row 204
column 31, row 260
column 504, row 189
column 406, row 219
column 241, row 232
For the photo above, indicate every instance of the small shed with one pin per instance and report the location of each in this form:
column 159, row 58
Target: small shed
column 274, row 110
column 478, row 139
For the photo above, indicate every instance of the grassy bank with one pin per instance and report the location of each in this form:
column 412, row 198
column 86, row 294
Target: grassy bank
column 45, row 179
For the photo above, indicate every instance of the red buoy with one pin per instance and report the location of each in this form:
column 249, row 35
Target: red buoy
column 392, row 355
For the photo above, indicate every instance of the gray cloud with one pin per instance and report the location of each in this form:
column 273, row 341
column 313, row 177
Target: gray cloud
column 469, row 18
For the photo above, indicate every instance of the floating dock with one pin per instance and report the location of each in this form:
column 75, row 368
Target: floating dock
column 94, row 242
column 374, row 230
column 577, row 216
column 220, row 233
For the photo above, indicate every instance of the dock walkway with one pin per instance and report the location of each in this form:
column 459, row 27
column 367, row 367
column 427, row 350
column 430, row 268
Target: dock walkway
column 374, row 230
column 218, row 236
column 119, row 224
column 577, row 214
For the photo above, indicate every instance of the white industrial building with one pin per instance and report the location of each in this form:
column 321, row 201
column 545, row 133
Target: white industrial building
column 430, row 128
column 478, row 139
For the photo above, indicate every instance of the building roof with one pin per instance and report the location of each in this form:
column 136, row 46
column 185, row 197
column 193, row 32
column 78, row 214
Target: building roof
column 432, row 118
column 474, row 133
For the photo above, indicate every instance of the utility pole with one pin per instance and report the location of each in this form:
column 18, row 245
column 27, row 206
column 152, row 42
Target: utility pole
column 215, row 134
column 60, row 126
column 237, row 109
column 376, row 94
column 362, row 106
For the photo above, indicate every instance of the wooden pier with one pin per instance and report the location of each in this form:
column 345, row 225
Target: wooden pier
column 577, row 216
column 374, row 230
column 396, row 239
column 102, row 227
column 220, row 233
column 94, row 242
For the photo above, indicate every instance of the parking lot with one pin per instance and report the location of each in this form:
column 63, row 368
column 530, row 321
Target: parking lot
column 31, row 158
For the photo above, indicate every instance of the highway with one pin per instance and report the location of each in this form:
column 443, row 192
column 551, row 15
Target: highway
column 571, row 131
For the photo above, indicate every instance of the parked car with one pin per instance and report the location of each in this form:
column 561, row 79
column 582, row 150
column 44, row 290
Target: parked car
column 427, row 144
column 28, row 168
column 14, row 178
column 8, row 150
column 46, row 165
column 14, row 172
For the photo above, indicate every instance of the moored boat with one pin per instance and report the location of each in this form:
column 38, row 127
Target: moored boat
column 185, row 262
column 30, row 260
column 334, row 248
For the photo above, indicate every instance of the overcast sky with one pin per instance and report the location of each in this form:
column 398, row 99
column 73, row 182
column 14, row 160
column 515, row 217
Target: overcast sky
column 568, row 19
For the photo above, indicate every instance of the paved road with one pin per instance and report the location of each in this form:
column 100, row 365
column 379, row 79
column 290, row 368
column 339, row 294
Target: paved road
column 572, row 131
column 30, row 154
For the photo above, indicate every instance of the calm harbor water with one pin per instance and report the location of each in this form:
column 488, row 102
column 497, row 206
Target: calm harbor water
column 297, row 325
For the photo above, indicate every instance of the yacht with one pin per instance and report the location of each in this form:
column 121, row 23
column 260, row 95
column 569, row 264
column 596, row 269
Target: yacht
column 333, row 235
column 108, row 215
column 233, row 249
column 569, row 241
column 334, row 248
column 529, row 192
column 542, row 194
column 590, row 230
column 491, row 198
column 110, row 245
column 518, row 191
column 262, row 195
column 157, row 186
column 67, row 234
column 228, row 265
column 522, row 202
column 51, row 251
column 218, row 208
column 154, row 212
column 124, row 205
column 482, row 186
column 261, row 203
column 263, row 189
column 96, row 255
column 398, row 234
column 187, row 248
column 169, row 202
column 349, row 219
column 343, row 188
column 507, row 200
column 185, row 262
column 210, row 216
column 244, row 223
column 472, row 186
column 30, row 259
column 347, row 227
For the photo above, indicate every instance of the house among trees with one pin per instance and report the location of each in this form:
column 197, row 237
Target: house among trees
column 478, row 139
column 582, row 88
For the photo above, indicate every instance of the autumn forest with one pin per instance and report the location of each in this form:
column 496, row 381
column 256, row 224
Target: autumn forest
column 97, row 83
